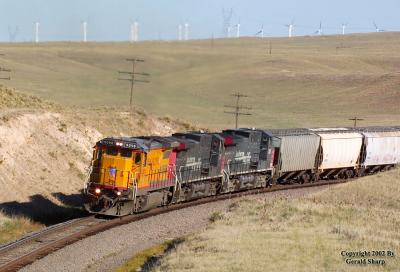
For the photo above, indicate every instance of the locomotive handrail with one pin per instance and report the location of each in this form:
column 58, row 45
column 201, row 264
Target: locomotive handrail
column 228, row 163
column 186, row 174
column 176, row 180
column 180, row 172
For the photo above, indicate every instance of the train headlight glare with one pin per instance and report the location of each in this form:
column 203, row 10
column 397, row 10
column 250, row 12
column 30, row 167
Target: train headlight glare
column 97, row 191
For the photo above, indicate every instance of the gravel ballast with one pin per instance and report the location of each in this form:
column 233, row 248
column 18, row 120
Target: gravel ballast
column 112, row 248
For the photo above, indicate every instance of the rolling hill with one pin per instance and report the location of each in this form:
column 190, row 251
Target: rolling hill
column 305, row 81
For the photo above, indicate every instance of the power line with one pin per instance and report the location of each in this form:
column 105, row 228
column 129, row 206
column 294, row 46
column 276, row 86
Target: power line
column 226, row 22
column 355, row 119
column 132, row 78
column 237, row 108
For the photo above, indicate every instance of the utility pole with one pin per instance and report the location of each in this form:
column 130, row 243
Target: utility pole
column 5, row 70
column 237, row 108
column 270, row 48
column 132, row 79
column 355, row 119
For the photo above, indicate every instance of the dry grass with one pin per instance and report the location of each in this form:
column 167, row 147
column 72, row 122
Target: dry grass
column 308, row 234
column 12, row 228
column 10, row 98
column 307, row 81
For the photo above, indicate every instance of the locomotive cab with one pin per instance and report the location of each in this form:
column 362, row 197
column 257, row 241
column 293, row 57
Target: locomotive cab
column 115, row 168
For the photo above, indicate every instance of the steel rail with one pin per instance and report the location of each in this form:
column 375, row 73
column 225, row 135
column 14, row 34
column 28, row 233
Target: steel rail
column 56, row 237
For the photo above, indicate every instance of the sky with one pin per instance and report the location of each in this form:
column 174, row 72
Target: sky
column 109, row 20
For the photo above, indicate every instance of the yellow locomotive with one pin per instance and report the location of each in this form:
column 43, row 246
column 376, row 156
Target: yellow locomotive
column 126, row 169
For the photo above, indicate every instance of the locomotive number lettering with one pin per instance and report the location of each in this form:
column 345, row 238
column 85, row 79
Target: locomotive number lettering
column 191, row 162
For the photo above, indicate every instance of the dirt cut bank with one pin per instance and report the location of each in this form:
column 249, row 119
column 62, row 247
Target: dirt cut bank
column 45, row 150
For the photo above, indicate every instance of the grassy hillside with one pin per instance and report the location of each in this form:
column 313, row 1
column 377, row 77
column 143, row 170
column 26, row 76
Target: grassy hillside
column 306, row 81
column 309, row 234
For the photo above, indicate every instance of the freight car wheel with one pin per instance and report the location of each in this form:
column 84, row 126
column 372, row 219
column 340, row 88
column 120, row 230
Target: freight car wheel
column 349, row 174
column 305, row 178
column 314, row 178
column 270, row 181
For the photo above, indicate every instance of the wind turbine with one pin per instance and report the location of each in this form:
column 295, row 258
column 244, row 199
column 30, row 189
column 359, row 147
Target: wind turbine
column 84, row 31
column 344, row 26
column 260, row 32
column 37, row 26
column 237, row 30
column 186, row 31
column 378, row 29
column 290, row 28
column 135, row 31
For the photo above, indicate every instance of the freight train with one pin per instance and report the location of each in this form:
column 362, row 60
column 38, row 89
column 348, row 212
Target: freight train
column 135, row 174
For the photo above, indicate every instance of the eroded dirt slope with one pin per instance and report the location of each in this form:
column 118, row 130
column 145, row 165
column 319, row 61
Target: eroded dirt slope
column 45, row 149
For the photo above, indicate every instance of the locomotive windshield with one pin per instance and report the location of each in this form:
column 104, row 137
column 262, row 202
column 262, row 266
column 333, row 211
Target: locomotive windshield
column 111, row 151
column 127, row 153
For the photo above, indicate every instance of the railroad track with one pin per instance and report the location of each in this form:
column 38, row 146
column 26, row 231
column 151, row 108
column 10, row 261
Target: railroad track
column 15, row 255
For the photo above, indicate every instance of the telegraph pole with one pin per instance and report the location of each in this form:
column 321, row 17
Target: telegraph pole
column 270, row 48
column 5, row 70
column 237, row 108
column 355, row 119
column 132, row 77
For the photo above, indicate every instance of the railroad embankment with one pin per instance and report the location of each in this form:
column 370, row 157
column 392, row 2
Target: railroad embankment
column 338, row 229
column 45, row 150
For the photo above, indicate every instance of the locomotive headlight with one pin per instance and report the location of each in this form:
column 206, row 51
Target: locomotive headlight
column 97, row 190
column 118, row 193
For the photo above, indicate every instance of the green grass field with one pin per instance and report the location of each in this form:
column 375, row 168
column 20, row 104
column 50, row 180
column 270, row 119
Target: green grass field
column 306, row 81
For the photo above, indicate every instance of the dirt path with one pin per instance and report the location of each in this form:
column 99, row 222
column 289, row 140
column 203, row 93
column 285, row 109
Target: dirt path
column 112, row 248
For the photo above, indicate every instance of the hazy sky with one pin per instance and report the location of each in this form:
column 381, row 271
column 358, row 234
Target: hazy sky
column 158, row 19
